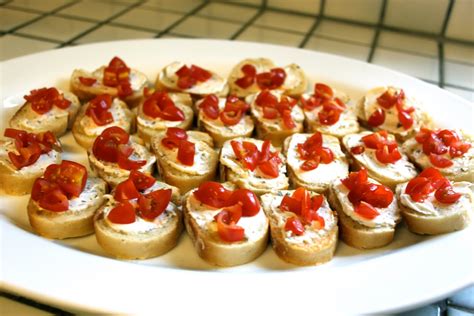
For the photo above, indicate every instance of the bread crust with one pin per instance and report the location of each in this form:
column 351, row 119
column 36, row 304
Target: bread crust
column 357, row 235
column 217, row 252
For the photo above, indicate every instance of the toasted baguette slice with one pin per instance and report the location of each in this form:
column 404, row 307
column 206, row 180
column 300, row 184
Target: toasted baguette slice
column 318, row 179
column 294, row 85
column 55, row 120
column 147, row 127
column 138, row 80
column 167, row 81
column 144, row 244
column 20, row 182
column 177, row 174
column 357, row 235
column 446, row 218
column 73, row 222
column 211, row 247
column 389, row 174
column 314, row 247
column 462, row 168
column 85, row 131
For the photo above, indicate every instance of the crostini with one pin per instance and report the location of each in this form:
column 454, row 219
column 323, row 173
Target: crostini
column 314, row 161
column 448, row 150
column 141, row 219
column 329, row 111
column 368, row 211
column 115, row 79
column 227, row 227
column 224, row 118
column 64, row 200
column 276, row 116
column 114, row 153
column 251, row 76
column 388, row 108
column 46, row 109
column 160, row 110
column 431, row 204
column 197, row 81
column 380, row 154
column 24, row 157
column 184, row 159
column 302, row 225
column 99, row 114
column 253, row 164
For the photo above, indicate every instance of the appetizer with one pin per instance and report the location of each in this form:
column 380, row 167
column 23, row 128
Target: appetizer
column 379, row 153
column 329, row 111
column 277, row 116
column 251, row 76
column 64, row 200
column 114, row 153
column 161, row 110
column 431, row 204
column 141, row 219
column 227, row 227
column 184, row 159
column 368, row 211
column 303, row 227
column 24, row 157
column 197, row 81
column 99, row 114
column 449, row 151
column 388, row 108
column 253, row 164
column 314, row 161
column 46, row 109
column 224, row 118
column 115, row 79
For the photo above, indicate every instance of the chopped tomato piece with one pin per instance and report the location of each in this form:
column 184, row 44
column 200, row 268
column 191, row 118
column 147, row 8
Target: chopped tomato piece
column 248, row 79
column 226, row 227
column 43, row 100
column 447, row 195
column 159, row 104
column 377, row 118
column 294, row 225
column 189, row 76
column 388, row 155
column 70, row 176
column 27, row 156
column 357, row 150
column 405, row 119
column 376, row 140
column 87, row 81
column 117, row 74
column 310, row 164
column 377, row 195
column 330, row 113
column 246, row 152
column 98, row 109
column 287, row 119
column 55, row 201
column 271, row 80
column 291, row 204
column 458, row 148
column 355, row 179
column 126, row 190
column 142, row 181
column 105, row 146
column 366, row 210
column 311, row 103
column 123, row 213
column 314, row 153
column 154, row 203
column 387, row 99
column 419, row 188
column 323, row 91
column 213, row 194
column 186, row 151
column 248, row 201
column 266, row 98
column 173, row 137
column 270, row 113
column 210, row 106
column 270, row 168
column 439, row 161
column 231, row 118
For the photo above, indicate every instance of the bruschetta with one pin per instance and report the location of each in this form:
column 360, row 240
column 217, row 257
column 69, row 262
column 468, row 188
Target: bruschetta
column 98, row 114
column 253, row 164
column 388, row 108
column 227, row 227
column 302, row 225
column 64, row 200
column 46, row 109
column 141, row 219
column 114, row 153
column 450, row 151
column 115, row 79
column 224, row 118
column 251, row 76
column 329, row 111
column 24, row 157
column 314, row 161
column 160, row 110
column 276, row 116
column 184, row 159
column 431, row 204
column 368, row 212
column 380, row 154
column 197, row 81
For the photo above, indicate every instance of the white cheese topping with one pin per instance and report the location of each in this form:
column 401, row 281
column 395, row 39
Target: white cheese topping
column 324, row 173
column 254, row 226
column 387, row 216
column 399, row 171
column 90, row 128
column 137, row 80
column 169, row 78
column 431, row 207
column 92, row 195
